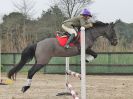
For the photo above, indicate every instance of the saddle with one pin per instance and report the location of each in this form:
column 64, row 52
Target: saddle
column 62, row 38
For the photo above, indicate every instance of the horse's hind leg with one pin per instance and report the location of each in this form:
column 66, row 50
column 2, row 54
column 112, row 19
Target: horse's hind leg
column 32, row 71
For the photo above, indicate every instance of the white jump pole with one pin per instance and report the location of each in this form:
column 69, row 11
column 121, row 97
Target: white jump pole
column 0, row 60
column 83, row 70
column 67, row 69
column 83, row 64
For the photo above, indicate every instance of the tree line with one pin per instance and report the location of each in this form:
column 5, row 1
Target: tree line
column 17, row 30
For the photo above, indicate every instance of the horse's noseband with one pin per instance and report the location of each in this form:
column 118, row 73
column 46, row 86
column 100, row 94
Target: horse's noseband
column 114, row 41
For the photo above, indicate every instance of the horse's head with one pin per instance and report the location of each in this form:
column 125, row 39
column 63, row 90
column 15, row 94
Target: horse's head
column 110, row 34
column 103, row 29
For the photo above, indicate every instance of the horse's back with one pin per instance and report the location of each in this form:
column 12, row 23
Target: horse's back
column 47, row 44
column 51, row 47
column 47, row 41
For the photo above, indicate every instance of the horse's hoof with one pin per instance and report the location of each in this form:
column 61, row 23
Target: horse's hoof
column 25, row 88
column 86, row 61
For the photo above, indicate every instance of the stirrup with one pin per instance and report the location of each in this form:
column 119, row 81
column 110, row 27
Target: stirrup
column 67, row 46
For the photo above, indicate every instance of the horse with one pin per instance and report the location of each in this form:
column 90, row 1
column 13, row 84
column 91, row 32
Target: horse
column 44, row 50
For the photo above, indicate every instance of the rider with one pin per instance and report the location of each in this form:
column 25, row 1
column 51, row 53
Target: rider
column 82, row 20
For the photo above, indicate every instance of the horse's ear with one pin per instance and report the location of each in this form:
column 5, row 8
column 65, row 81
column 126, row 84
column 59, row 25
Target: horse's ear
column 112, row 24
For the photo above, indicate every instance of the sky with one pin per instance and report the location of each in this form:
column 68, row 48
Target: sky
column 104, row 10
column 111, row 10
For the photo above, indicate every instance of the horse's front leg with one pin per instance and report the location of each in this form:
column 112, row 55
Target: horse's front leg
column 31, row 73
column 90, row 55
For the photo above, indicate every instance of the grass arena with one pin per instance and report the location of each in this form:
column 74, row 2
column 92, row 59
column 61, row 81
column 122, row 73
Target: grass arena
column 46, row 86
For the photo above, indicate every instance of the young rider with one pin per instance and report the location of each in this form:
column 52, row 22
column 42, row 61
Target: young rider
column 81, row 20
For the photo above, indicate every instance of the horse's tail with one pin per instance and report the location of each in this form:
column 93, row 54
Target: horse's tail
column 27, row 54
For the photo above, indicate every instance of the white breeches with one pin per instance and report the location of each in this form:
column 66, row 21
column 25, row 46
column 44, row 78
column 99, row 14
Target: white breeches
column 69, row 30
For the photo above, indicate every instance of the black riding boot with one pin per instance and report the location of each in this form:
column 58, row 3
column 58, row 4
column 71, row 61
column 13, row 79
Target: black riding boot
column 69, row 40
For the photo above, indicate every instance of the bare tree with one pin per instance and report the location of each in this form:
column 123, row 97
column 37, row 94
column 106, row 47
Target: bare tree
column 73, row 7
column 26, row 7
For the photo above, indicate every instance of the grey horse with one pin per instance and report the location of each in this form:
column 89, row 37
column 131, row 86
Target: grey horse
column 44, row 50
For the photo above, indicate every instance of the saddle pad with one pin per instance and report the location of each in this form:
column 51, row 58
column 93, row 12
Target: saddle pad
column 63, row 40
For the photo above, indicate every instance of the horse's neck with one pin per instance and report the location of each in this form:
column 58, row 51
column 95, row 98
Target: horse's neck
column 94, row 33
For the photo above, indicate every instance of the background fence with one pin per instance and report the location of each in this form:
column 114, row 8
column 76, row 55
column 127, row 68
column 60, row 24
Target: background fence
column 105, row 63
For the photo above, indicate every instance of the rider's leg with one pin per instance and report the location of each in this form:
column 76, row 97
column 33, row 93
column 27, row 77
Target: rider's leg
column 69, row 40
column 72, row 33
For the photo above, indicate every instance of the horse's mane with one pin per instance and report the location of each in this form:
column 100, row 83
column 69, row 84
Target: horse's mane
column 99, row 23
